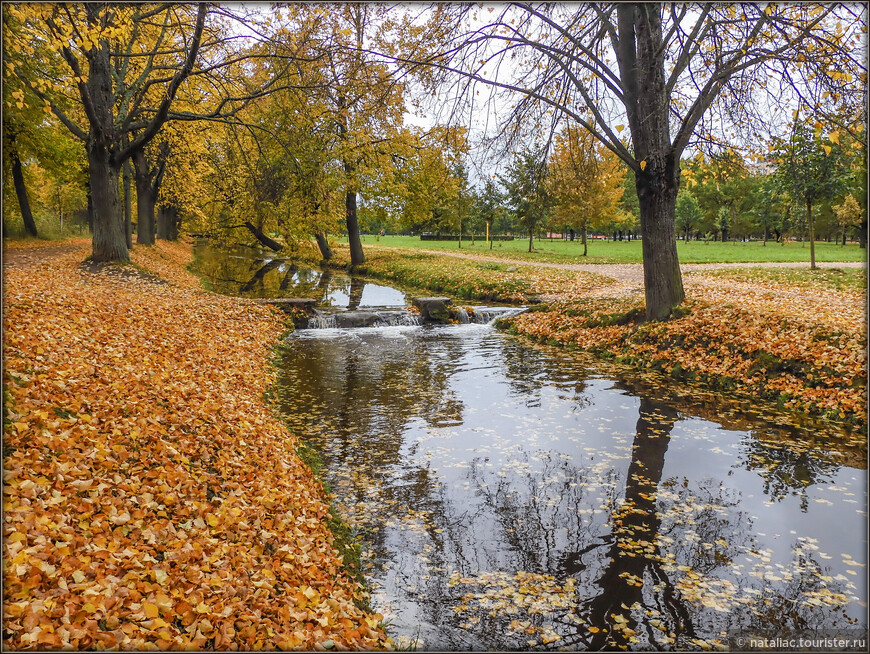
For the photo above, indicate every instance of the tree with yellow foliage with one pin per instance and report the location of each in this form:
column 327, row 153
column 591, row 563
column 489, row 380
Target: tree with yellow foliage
column 587, row 181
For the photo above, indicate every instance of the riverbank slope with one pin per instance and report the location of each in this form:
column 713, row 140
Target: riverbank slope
column 151, row 499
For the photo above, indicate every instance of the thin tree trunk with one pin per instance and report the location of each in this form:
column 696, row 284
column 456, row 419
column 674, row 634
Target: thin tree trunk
column 128, row 205
column 323, row 245
column 812, row 235
column 584, row 240
column 357, row 257
column 265, row 240
column 531, row 236
column 460, row 232
column 21, row 192
column 144, row 199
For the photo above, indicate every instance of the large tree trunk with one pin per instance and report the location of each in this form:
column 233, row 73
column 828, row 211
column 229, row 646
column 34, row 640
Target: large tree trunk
column 21, row 192
column 145, row 199
column 663, row 283
column 356, row 252
column 167, row 223
column 323, row 245
column 109, row 239
column 641, row 66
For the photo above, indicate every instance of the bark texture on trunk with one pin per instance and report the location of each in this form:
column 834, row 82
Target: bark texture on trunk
column 323, row 245
column 641, row 66
column 167, row 222
column 128, row 205
column 356, row 252
column 145, row 199
column 812, row 235
column 265, row 240
column 109, row 239
column 21, row 193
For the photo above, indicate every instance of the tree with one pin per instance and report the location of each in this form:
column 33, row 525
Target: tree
column 661, row 68
column 811, row 170
column 361, row 96
column 848, row 214
column 527, row 191
column 769, row 207
column 587, row 181
column 688, row 213
column 115, row 81
column 487, row 205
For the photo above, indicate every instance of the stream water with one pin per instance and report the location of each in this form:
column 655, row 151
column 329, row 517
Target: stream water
column 512, row 496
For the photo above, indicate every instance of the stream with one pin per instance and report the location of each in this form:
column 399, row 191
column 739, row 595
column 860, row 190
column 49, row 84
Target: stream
column 512, row 496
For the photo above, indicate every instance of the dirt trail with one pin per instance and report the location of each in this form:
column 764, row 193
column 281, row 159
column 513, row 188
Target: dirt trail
column 629, row 273
column 25, row 257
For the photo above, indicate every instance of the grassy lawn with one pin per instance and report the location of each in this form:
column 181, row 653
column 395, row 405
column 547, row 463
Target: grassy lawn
column 601, row 251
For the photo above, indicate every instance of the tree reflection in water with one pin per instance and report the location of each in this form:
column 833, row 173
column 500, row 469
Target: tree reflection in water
column 506, row 504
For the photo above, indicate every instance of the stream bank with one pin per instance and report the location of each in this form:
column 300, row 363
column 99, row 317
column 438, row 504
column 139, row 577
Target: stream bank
column 151, row 497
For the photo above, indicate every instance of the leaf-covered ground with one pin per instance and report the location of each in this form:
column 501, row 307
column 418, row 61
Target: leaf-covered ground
column 803, row 347
column 151, row 500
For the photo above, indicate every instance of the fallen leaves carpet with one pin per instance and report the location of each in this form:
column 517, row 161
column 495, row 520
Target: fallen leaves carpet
column 151, row 501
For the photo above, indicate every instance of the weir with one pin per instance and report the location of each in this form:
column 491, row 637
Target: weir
column 405, row 318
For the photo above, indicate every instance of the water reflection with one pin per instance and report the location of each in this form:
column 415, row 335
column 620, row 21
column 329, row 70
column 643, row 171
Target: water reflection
column 238, row 270
column 512, row 497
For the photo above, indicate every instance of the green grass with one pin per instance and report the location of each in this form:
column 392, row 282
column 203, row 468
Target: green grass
column 840, row 279
column 600, row 251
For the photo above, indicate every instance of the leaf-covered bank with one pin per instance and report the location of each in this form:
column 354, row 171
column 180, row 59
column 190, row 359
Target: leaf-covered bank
column 151, row 499
column 468, row 279
column 798, row 364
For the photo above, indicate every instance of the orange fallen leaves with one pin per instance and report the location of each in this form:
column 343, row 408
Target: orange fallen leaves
column 806, row 347
column 150, row 498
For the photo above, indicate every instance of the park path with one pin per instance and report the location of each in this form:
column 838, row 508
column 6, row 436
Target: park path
column 630, row 273
column 36, row 252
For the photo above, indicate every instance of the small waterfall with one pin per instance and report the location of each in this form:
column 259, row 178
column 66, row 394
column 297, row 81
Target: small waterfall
column 398, row 319
column 321, row 321
column 352, row 319
column 403, row 318
column 488, row 315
